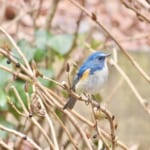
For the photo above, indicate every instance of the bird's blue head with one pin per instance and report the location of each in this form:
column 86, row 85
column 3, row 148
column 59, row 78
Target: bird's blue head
column 96, row 61
column 97, row 57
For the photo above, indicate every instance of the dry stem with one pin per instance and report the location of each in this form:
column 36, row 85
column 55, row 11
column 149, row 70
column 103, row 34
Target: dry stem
column 21, row 135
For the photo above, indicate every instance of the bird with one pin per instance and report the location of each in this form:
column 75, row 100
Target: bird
column 90, row 77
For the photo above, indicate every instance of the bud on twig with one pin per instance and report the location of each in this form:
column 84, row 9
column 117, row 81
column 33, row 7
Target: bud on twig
column 94, row 17
column 67, row 67
column 113, row 117
column 26, row 87
column 17, row 65
column 8, row 61
column 95, row 136
column 116, row 126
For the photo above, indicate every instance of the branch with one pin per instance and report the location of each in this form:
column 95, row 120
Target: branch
column 74, row 42
column 51, row 13
column 66, row 130
column 16, row 74
column 33, row 119
column 49, row 122
column 17, row 49
column 142, row 101
column 21, row 135
column 138, row 13
column 13, row 59
column 5, row 146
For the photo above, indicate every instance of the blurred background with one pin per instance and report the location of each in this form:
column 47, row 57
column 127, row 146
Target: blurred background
column 53, row 32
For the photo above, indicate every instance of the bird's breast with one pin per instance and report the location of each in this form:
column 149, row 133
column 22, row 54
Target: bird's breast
column 93, row 82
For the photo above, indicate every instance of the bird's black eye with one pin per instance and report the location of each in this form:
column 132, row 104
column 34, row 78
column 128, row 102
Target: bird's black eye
column 100, row 58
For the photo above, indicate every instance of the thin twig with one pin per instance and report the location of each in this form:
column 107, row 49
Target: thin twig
column 74, row 42
column 12, row 59
column 97, row 128
column 5, row 145
column 112, row 128
column 20, row 100
column 102, row 137
column 15, row 108
column 51, row 13
column 76, row 31
column 142, row 101
column 114, row 90
column 33, row 119
column 50, row 123
column 21, row 135
column 17, row 49
column 105, row 134
column 3, row 8
column 79, row 129
column 110, row 119
column 16, row 74
column 64, row 127
column 138, row 13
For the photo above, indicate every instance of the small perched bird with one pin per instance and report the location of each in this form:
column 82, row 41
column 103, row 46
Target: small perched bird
column 91, row 76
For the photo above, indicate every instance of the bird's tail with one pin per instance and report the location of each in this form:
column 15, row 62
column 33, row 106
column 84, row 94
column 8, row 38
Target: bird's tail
column 70, row 103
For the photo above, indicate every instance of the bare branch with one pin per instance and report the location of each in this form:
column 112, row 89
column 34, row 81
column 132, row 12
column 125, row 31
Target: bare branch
column 21, row 135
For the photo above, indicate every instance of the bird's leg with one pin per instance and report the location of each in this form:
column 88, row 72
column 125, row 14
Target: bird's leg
column 88, row 98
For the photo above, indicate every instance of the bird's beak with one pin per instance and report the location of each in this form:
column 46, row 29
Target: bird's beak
column 107, row 55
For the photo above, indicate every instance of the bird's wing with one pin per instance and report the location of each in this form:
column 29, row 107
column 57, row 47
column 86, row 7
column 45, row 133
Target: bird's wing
column 75, row 81
column 83, row 73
